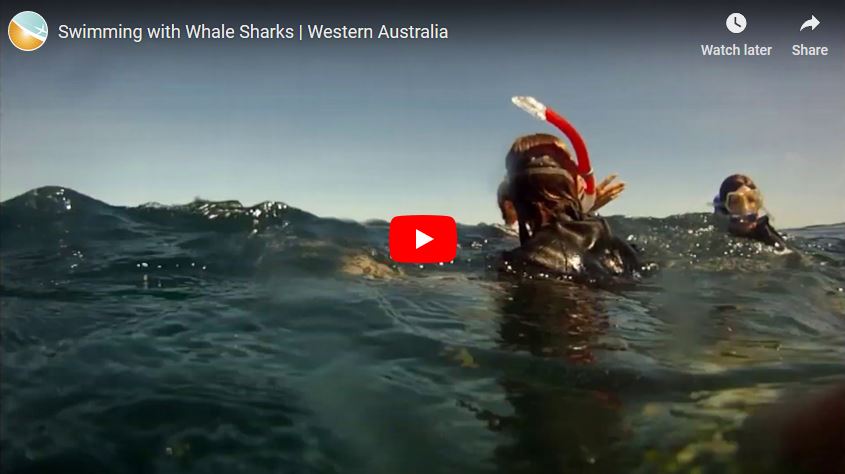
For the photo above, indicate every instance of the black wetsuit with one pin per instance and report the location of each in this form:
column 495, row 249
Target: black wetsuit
column 760, row 230
column 577, row 248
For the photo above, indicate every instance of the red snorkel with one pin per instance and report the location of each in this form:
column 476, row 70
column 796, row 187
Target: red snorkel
column 539, row 110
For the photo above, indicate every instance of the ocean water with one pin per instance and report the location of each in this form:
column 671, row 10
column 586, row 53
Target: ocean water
column 213, row 337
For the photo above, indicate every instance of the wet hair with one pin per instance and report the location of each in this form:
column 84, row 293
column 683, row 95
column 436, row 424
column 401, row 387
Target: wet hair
column 505, row 203
column 502, row 193
column 536, row 145
column 542, row 179
column 732, row 183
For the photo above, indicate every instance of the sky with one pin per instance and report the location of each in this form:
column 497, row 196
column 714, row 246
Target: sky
column 367, row 130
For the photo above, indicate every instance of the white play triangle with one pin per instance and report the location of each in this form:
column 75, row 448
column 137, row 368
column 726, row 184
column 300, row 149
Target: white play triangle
column 422, row 239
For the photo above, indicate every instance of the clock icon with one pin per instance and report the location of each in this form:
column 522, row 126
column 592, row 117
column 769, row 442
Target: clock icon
column 736, row 23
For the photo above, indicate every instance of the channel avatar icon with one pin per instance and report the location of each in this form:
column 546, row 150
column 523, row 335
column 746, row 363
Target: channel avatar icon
column 28, row 31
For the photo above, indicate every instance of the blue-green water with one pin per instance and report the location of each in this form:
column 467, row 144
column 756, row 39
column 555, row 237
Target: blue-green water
column 213, row 337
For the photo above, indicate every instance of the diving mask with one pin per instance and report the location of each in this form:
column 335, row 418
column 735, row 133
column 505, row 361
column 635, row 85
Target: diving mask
column 744, row 201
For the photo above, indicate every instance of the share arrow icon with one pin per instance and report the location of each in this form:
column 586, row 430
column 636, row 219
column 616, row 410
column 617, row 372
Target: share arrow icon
column 812, row 23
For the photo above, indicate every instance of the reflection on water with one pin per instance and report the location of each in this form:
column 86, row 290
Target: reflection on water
column 556, row 428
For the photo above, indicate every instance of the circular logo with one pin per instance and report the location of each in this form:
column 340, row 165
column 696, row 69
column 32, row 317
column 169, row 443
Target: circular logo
column 28, row 31
column 736, row 23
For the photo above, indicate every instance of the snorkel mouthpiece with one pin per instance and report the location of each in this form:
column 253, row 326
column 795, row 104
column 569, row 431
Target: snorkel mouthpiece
column 539, row 110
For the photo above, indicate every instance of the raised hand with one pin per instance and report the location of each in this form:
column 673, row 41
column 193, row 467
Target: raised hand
column 607, row 191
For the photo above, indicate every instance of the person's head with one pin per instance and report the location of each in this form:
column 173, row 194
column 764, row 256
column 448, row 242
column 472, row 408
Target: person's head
column 739, row 196
column 543, row 179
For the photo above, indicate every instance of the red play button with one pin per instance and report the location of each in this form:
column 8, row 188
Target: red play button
column 423, row 239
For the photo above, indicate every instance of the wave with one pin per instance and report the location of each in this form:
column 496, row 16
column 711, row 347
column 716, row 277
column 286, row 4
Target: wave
column 61, row 214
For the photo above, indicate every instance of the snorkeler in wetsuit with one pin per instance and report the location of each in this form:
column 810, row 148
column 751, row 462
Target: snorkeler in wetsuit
column 557, row 234
column 741, row 201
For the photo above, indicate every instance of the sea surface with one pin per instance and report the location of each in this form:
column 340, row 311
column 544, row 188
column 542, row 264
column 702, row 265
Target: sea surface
column 217, row 338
